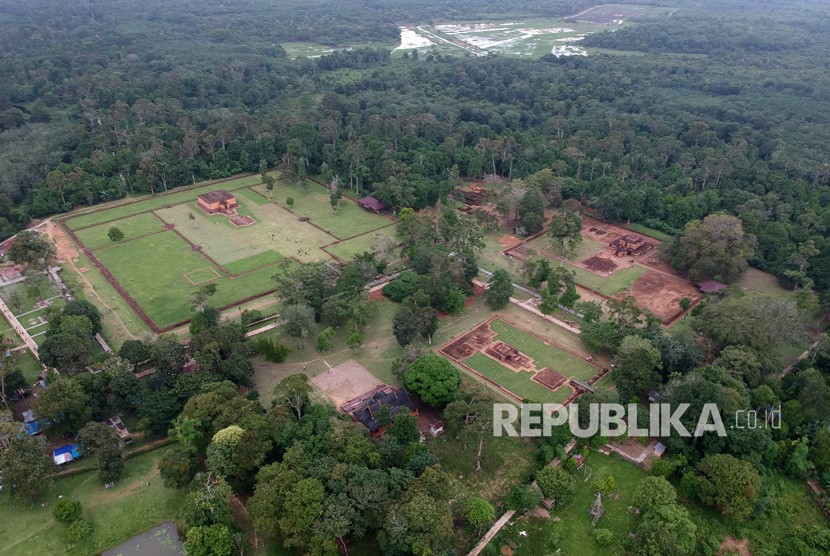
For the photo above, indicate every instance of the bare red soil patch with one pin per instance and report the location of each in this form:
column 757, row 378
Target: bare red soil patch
column 550, row 378
column 661, row 294
column 599, row 264
column 509, row 240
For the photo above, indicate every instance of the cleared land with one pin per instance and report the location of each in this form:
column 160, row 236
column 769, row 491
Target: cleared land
column 615, row 14
column 515, row 373
column 577, row 534
column 616, row 261
column 313, row 203
column 344, row 382
column 152, row 270
column 171, row 246
column 137, row 502
column 96, row 237
column 531, row 38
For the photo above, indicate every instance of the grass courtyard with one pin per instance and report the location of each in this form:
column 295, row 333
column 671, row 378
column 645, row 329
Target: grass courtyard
column 349, row 221
column 137, row 502
column 544, row 354
column 152, row 270
column 159, row 269
column 519, row 383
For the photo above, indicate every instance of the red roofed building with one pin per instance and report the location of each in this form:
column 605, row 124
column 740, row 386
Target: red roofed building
column 217, row 201
column 371, row 204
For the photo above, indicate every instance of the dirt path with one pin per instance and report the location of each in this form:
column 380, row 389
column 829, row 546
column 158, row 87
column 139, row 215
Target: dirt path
column 66, row 252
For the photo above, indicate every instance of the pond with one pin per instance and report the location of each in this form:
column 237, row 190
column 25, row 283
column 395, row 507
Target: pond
column 158, row 541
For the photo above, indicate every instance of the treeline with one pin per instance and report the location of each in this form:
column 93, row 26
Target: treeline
column 657, row 140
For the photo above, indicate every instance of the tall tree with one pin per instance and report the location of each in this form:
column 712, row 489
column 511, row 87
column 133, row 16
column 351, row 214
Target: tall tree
column 101, row 442
column 715, row 247
column 729, row 484
column 500, row 289
column 565, row 232
column 26, row 466
column 637, row 364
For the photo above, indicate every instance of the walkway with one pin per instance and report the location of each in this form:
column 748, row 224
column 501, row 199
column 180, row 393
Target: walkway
column 27, row 339
column 497, row 526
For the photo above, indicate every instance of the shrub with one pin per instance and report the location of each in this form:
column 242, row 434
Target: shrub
column 250, row 316
column 606, row 485
column 479, row 512
column 274, row 350
column 685, row 303
column 521, row 498
column 402, row 287
column 603, row 537
column 556, row 484
column 67, row 512
column 324, row 339
column 78, row 531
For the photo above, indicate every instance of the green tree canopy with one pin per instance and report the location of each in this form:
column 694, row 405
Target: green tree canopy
column 433, row 379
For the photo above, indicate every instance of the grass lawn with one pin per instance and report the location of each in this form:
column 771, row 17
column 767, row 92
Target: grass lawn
column 505, row 461
column 656, row 234
column 611, row 285
column 519, row 383
column 144, row 203
column 151, row 269
column 586, row 248
column 349, row 220
column 227, row 243
column 254, row 262
column 788, row 498
column 96, row 237
column 544, row 355
column 25, row 295
column 119, row 321
column 138, row 502
column 29, row 366
column 577, row 533
column 349, row 248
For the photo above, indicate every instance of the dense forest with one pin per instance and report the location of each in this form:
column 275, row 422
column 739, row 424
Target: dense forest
column 724, row 112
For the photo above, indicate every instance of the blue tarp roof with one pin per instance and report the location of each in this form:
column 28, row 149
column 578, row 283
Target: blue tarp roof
column 36, row 426
column 68, row 449
column 65, row 454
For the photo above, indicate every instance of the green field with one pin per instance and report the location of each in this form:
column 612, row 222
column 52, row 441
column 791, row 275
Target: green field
column 577, row 533
column 349, row 248
column 96, row 237
column 275, row 229
column 793, row 507
column 152, row 270
column 151, row 267
column 27, row 296
column 586, row 248
column 544, row 355
column 519, row 383
column 119, row 320
column 136, row 503
column 349, row 220
column 137, row 205
column 619, row 281
column 651, row 232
